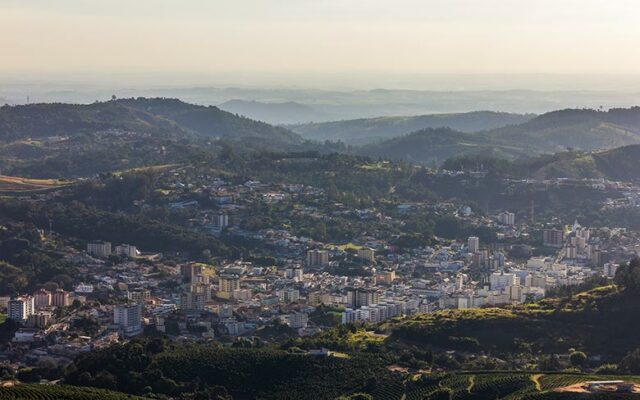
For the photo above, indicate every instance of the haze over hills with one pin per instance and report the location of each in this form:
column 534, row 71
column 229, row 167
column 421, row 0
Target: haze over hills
column 334, row 104
column 288, row 112
column 365, row 131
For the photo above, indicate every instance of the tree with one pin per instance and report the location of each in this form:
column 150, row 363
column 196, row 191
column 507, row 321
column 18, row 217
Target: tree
column 628, row 276
column 631, row 362
column 578, row 358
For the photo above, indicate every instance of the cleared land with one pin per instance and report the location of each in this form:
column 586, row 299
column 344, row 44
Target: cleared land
column 19, row 184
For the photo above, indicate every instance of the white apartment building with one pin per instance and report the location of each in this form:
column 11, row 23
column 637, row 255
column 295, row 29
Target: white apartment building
column 20, row 308
column 128, row 317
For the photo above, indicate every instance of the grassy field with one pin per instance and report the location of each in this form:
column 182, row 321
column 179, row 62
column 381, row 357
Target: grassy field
column 19, row 184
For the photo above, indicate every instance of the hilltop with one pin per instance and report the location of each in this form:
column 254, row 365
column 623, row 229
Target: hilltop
column 558, row 131
column 68, row 140
column 620, row 163
column 369, row 130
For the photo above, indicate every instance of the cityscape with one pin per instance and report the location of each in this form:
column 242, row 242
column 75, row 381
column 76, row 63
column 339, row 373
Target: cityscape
column 319, row 200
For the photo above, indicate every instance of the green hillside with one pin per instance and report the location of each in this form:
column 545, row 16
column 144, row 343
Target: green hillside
column 622, row 163
column 436, row 145
column 69, row 140
column 369, row 130
column 558, row 131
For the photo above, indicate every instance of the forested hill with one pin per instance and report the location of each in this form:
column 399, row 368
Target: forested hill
column 369, row 130
column 574, row 129
column 158, row 117
column 434, row 146
column 211, row 121
column 620, row 164
column 71, row 140
column 554, row 132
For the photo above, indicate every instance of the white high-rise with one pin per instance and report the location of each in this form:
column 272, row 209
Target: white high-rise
column 20, row 308
column 128, row 317
column 473, row 243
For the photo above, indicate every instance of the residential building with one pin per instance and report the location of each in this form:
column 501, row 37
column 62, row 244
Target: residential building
column 553, row 238
column 358, row 297
column 473, row 243
column 367, row 254
column 507, row 218
column 289, row 295
column 128, row 317
column 20, row 308
column 127, row 250
column 99, row 249
column 317, row 257
column 42, row 298
column 60, row 298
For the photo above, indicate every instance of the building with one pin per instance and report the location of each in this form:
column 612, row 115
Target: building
column 193, row 301
column 40, row 320
column 20, row 308
column 42, row 298
column 221, row 220
column 610, row 269
column 127, row 250
column 358, row 297
column 242, row 294
column 367, row 254
column 296, row 320
column 289, row 295
column 500, row 280
column 138, row 296
column 553, row 238
column 316, row 298
column 99, row 249
column 60, row 298
column 473, row 243
column 128, row 317
column 188, row 271
column 317, row 257
column 294, row 273
column 227, row 284
column 571, row 252
column 507, row 218
column 386, row 277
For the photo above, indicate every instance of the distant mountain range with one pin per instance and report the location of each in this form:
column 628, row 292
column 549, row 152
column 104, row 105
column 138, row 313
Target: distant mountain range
column 554, row 132
column 288, row 112
column 370, row 130
column 60, row 140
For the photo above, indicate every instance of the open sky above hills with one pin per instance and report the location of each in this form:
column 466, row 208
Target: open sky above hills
column 426, row 44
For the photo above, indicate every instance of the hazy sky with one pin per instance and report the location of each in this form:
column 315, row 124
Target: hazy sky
column 256, row 40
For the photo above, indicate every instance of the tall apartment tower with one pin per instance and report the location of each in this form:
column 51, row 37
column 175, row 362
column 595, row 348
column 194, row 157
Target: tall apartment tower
column 473, row 243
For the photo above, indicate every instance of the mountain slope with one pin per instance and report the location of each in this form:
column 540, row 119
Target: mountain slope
column 44, row 120
column 574, row 129
column 436, row 145
column 72, row 140
column 365, row 131
column 159, row 117
column 212, row 121
column 555, row 132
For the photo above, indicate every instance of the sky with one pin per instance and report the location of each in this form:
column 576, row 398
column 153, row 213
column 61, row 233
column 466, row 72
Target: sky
column 312, row 43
